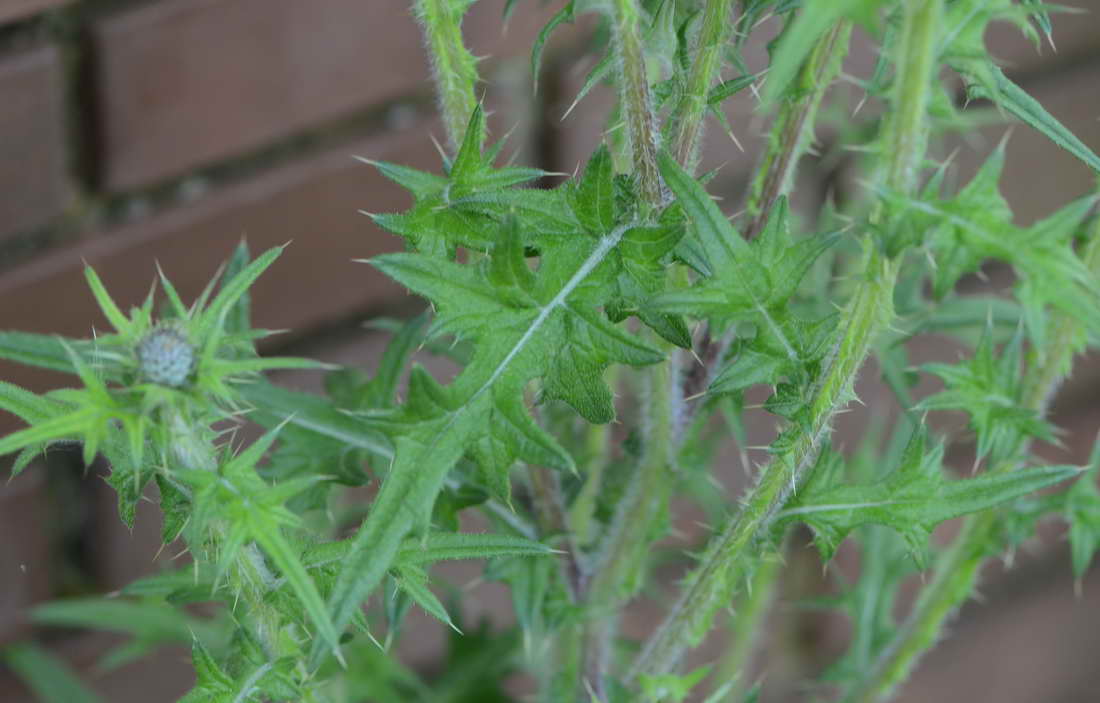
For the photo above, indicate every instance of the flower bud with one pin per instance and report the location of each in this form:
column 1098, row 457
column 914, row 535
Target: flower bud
column 166, row 357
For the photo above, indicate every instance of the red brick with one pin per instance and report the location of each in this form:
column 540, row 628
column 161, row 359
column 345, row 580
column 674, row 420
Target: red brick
column 314, row 203
column 17, row 9
column 32, row 141
column 24, row 549
column 187, row 82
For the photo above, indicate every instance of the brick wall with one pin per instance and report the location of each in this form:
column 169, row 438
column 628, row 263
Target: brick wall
column 142, row 131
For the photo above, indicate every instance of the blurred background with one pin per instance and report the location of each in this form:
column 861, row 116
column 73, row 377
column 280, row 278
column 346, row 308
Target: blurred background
column 141, row 131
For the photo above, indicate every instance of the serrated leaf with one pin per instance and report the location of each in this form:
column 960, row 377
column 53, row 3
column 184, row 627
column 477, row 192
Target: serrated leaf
column 286, row 559
column 912, row 500
column 233, row 290
column 516, row 341
column 985, row 80
column 800, row 37
column 562, row 16
column 991, row 390
column 414, row 582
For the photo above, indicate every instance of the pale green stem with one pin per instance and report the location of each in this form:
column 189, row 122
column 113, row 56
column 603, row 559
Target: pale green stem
column 624, row 550
column 597, row 444
column 727, row 559
column 793, row 130
column 635, row 99
column 748, row 623
column 956, row 570
column 454, row 67
column 550, row 515
column 713, row 584
column 687, row 119
column 788, row 141
column 248, row 576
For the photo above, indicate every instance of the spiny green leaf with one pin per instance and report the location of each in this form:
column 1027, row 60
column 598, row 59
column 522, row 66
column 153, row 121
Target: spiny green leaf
column 986, row 80
column 799, row 38
column 414, row 581
column 672, row 687
column 911, row 500
column 313, row 413
column 28, row 406
column 439, row 425
column 991, row 390
column 41, row 350
column 153, row 621
column 120, row 322
column 564, row 15
column 285, row 558
column 239, row 318
column 232, row 290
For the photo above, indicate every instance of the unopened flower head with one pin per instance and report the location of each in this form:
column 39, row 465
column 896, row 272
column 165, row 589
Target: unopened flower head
column 166, row 357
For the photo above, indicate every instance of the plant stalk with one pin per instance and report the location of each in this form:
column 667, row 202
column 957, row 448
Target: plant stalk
column 748, row 623
column 635, row 99
column 619, row 571
column 550, row 513
column 956, row 571
column 453, row 66
column 789, row 139
column 687, row 119
column 793, row 131
column 623, row 550
column 726, row 562
column 248, row 576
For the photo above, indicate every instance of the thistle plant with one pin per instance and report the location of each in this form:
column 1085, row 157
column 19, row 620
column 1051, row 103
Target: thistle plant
column 607, row 331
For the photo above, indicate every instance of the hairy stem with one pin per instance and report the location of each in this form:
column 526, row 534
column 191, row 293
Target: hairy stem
column 687, row 119
column 724, row 564
column 789, row 139
column 956, row 571
column 748, row 623
column 454, row 67
column 550, row 514
column 248, row 577
column 635, row 100
column 727, row 559
column 618, row 574
column 793, row 130
column 597, row 445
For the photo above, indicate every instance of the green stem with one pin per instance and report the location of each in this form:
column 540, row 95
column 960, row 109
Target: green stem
column 454, row 67
column 636, row 102
column 687, row 119
column 597, row 444
column 714, row 583
column 793, row 130
column 956, row 570
column 248, row 576
column 550, row 515
column 624, row 553
column 748, row 623
column 727, row 559
column 789, row 138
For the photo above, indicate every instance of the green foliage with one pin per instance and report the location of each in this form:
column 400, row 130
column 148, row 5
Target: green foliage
column 912, row 499
column 603, row 336
column 49, row 679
